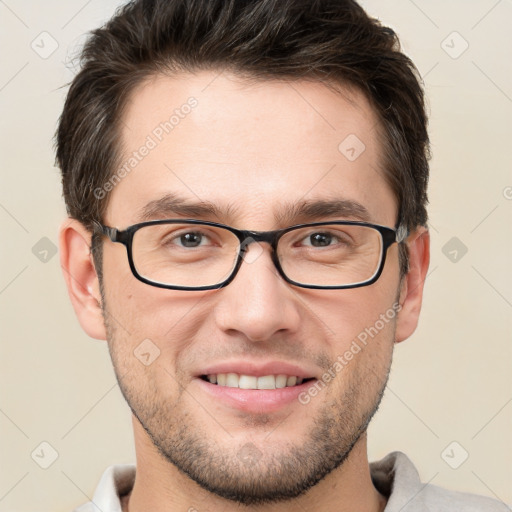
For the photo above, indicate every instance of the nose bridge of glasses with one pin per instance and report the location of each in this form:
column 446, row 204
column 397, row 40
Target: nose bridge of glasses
column 249, row 237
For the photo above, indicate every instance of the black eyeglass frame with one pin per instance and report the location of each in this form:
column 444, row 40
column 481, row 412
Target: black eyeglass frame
column 389, row 237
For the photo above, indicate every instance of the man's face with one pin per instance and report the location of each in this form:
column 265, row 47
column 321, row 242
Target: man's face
column 250, row 150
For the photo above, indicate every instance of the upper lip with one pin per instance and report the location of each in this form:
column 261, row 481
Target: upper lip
column 257, row 369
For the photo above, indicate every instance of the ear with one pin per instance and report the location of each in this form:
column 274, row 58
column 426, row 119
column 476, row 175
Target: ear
column 411, row 290
column 81, row 277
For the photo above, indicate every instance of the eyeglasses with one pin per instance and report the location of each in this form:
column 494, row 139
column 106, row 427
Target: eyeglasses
column 200, row 255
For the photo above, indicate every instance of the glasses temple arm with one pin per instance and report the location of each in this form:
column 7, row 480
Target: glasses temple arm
column 107, row 231
column 402, row 232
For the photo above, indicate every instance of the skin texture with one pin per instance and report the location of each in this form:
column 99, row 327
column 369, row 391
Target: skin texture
column 251, row 147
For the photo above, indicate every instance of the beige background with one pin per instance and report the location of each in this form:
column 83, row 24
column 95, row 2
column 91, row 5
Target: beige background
column 451, row 381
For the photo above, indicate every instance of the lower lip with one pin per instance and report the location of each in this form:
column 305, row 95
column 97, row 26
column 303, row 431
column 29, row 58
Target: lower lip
column 255, row 400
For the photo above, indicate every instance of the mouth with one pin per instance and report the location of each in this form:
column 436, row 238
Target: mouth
column 254, row 394
column 264, row 382
column 255, row 387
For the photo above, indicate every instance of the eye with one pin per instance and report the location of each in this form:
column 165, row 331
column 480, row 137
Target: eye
column 188, row 239
column 319, row 239
column 325, row 239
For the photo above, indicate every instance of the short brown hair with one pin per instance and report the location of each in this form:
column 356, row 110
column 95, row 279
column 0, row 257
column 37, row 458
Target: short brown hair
column 333, row 41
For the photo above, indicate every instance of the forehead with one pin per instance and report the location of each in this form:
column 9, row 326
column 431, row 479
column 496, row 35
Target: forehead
column 247, row 148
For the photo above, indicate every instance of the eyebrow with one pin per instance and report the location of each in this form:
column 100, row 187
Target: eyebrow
column 287, row 214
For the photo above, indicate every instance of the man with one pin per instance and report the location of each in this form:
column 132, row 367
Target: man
column 246, row 182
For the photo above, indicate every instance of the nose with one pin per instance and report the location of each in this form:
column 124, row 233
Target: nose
column 258, row 302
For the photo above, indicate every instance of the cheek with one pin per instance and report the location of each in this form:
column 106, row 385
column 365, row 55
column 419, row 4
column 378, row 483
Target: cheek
column 143, row 311
column 360, row 324
column 345, row 315
column 151, row 329
column 371, row 347
column 360, row 368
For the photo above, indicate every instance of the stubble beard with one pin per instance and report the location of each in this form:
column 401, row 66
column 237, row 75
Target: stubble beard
column 246, row 473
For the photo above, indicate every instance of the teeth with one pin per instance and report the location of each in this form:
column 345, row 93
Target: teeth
column 267, row 382
column 281, row 381
column 247, row 382
column 234, row 380
column 231, row 380
column 291, row 381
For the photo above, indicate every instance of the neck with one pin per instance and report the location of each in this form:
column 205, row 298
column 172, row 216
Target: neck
column 160, row 487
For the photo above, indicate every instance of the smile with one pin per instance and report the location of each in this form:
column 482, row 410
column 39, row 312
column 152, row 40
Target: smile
column 241, row 381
